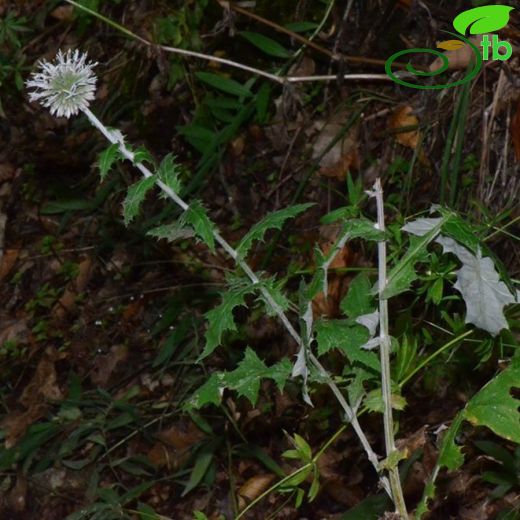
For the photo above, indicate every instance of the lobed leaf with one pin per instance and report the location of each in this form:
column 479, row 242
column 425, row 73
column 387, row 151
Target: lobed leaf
column 479, row 283
column 171, row 232
column 198, row 219
column 494, row 406
column 359, row 299
column 168, row 172
column 348, row 339
column 135, row 197
column 220, row 318
column 107, row 158
column 272, row 220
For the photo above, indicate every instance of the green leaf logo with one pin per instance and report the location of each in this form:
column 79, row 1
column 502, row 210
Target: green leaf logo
column 482, row 20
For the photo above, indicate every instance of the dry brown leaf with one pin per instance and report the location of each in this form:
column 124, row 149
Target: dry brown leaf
column 67, row 303
column 305, row 67
column 253, row 488
column 15, row 424
column 104, row 365
column 84, row 274
column 18, row 494
column 172, row 448
column 8, row 261
column 15, row 330
column 237, row 146
column 515, row 131
column 63, row 13
column 344, row 155
column 43, row 385
column 7, row 171
column 404, row 117
column 459, row 58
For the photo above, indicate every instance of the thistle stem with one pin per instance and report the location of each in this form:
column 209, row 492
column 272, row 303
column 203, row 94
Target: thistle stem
column 350, row 413
column 384, row 349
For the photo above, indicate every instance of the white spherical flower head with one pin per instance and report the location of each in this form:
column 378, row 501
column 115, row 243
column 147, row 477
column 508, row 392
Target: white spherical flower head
column 65, row 86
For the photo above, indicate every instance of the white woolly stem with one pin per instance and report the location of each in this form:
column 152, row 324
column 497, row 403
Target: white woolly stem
column 384, row 349
column 351, row 416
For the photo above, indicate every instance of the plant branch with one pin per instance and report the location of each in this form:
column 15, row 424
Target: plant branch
column 384, row 349
column 351, row 416
column 282, row 80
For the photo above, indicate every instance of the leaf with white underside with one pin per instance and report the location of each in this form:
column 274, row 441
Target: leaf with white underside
column 421, row 226
column 220, row 318
column 479, row 283
column 135, row 197
column 171, row 232
column 370, row 321
column 198, row 219
column 273, row 220
column 403, row 274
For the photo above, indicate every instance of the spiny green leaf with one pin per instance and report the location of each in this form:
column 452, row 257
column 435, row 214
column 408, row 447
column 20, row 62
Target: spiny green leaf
column 197, row 217
column 362, row 228
column 403, row 274
column 171, row 232
column 359, row 299
column 229, row 86
column 246, row 378
column 209, row 393
column 220, row 318
column 275, row 290
column 280, row 372
column 450, row 457
column 272, row 220
column 265, row 44
column 374, row 401
column 107, row 158
column 348, row 339
column 135, row 196
column 168, row 172
column 343, row 213
column 462, row 232
column 494, row 406
column 143, row 155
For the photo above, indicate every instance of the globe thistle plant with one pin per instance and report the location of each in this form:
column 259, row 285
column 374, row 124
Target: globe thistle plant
column 65, row 86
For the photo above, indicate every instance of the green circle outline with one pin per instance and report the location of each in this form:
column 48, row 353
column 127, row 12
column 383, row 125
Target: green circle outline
column 409, row 67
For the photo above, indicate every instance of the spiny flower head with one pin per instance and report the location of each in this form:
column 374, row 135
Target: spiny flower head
column 65, row 86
